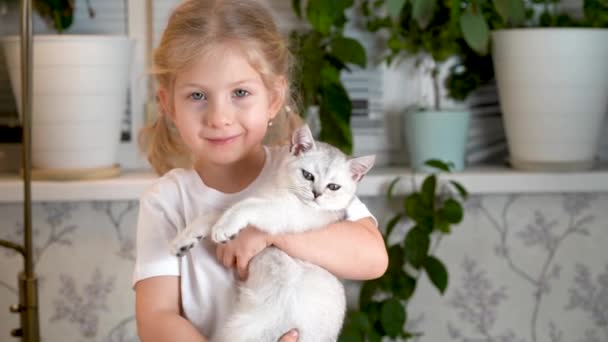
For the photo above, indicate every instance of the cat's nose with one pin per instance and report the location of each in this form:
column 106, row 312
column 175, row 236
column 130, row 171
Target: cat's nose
column 316, row 194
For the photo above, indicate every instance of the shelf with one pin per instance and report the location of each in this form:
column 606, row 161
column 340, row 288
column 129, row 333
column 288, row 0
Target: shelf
column 128, row 186
column 477, row 179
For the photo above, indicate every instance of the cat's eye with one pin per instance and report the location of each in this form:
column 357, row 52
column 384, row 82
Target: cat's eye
column 308, row 176
column 333, row 187
column 197, row 95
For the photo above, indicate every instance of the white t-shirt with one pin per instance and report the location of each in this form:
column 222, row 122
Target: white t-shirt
column 207, row 287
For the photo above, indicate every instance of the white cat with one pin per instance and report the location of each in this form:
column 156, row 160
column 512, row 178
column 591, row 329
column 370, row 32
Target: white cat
column 311, row 187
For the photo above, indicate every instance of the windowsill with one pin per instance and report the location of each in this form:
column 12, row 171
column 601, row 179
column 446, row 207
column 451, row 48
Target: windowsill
column 477, row 179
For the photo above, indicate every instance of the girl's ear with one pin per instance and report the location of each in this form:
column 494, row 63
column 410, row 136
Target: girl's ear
column 165, row 104
column 277, row 97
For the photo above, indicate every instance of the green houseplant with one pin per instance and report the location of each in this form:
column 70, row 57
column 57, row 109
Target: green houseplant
column 79, row 96
column 433, row 209
column 323, row 53
column 552, row 79
column 59, row 14
column 435, row 32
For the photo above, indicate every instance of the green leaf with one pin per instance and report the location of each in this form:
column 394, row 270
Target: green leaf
column 428, row 191
column 334, row 113
column 392, row 317
column 359, row 320
column 595, row 14
column 461, row 190
column 296, row 5
column 437, row 273
column 423, row 12
column 403, row 285
column 511, row 11
column 374, row 336
column 391, row 188
column 368, row 289
column 342, row 5
column 307, row 47
column 416, row 209
column 442, row 224
column 394, row 7
column 437, row 164
column 320, row 14
column 409, row 335
column 518, row 12
column 391, row 225
column 503, row 7
column 57, row 14
column 349, row 50
column 475, row 31
column 452, row 211
column 395, row 43
column 373, row 314
column 416, row 246
column 395, row 260
column 329, row 75
column 455, row 8
column 350, row 334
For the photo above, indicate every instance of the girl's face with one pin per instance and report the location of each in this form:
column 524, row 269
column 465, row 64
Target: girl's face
column 221, row 106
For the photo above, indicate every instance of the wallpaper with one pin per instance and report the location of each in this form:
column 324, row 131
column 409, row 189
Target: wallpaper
column 521, row 268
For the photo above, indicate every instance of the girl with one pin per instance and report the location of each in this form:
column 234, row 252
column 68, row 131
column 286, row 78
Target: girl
column 223, row 74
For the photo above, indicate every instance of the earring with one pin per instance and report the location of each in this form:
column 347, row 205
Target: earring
column 269, row 123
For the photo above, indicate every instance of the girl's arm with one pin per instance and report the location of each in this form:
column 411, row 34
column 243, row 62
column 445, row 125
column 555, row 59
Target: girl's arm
column 157, row 311
column 348, row 249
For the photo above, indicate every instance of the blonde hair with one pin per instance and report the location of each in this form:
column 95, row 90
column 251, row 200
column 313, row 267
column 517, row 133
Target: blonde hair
column 195, row 27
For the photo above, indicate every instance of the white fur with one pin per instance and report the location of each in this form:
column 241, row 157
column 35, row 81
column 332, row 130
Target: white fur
column 282, row 293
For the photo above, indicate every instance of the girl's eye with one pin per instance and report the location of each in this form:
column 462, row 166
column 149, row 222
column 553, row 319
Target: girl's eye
column 308, row 176
column 333, row 187
column 197, row 96
column 241, row 93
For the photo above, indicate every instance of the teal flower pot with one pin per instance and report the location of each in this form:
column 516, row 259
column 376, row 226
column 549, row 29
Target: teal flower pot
column 437, row 135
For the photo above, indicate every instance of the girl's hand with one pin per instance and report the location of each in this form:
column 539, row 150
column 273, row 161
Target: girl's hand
column 238, row 252
column 290, row 336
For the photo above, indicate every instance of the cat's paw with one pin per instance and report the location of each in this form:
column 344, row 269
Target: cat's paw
column 183, row 243
column 222, row 234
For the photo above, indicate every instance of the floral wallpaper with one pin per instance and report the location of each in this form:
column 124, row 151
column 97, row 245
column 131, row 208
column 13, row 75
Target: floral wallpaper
column 522, row 268
column 84, row 256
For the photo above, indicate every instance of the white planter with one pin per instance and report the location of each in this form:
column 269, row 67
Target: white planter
column 79, row 97
column 553, row 88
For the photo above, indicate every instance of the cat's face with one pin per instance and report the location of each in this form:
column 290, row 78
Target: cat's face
column 322, row 176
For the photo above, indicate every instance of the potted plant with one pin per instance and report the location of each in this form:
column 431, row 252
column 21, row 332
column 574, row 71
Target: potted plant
column 323, row 53
column 555, row 101
column 79, row 92
column 433, row 32
column 552, row 78
column 433, row 209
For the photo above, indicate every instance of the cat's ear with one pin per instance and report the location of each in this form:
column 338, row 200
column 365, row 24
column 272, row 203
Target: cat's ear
column 302, row 141
column 360, row 166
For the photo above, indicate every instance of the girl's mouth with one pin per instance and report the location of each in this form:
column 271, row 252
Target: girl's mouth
column 223, row 140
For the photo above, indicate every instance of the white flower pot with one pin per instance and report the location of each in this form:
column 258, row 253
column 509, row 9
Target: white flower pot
column 553, row 88
column 79, row 97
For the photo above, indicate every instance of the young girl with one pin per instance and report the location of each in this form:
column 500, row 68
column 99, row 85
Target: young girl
column 223, row 74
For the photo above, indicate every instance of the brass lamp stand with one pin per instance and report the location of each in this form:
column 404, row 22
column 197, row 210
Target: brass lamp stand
column 28, row 290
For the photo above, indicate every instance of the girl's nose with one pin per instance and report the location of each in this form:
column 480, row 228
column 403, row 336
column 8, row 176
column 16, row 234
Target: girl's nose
column 218, row 115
